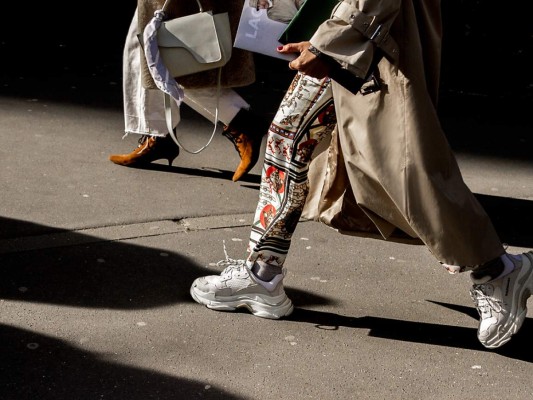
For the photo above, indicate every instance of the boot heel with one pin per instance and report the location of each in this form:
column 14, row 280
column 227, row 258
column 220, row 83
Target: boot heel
column 171, row 160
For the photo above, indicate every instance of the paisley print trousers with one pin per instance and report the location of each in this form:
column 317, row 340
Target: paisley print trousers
column 305, row 116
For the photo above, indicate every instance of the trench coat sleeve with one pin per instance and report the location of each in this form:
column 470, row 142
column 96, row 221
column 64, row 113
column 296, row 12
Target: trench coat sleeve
column 355, row 29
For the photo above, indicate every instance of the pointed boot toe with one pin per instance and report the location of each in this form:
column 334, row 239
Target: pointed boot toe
column 149, row 149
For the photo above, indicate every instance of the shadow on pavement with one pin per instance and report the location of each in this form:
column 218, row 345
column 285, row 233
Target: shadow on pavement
column 119, row 275
column 518, row 348
column 14, row 228
column 101, row 274
column 201, row 172
column 111, row 275
column 35, row 366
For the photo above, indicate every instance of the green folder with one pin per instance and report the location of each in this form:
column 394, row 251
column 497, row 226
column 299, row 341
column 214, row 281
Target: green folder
column 306, row 21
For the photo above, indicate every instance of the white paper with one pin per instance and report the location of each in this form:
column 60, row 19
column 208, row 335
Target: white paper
column 258, row 33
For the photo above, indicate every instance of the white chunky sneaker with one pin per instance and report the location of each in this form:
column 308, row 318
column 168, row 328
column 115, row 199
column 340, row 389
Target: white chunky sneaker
column 238, row 287
column 501, row 302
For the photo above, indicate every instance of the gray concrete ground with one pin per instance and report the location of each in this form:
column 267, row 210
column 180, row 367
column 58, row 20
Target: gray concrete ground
column 96, row 262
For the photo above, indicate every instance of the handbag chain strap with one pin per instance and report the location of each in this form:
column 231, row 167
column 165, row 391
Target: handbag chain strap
column 168, row 109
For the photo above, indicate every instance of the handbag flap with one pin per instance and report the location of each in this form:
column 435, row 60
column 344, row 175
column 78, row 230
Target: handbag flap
column 195, row 33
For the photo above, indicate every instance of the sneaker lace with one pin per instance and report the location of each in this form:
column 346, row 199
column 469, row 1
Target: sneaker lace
column 484, row 302
column 229, row 264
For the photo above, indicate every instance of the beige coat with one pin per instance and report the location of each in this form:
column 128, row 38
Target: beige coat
column 390, row 170
column 284, row 10
column 239, row 71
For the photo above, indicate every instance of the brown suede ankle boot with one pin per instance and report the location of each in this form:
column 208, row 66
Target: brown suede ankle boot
column 246, row 132
column 150, row 148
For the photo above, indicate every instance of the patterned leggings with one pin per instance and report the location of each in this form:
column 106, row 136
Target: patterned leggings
column 306, row 116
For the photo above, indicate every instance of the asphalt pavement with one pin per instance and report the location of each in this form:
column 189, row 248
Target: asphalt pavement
column 96, row 261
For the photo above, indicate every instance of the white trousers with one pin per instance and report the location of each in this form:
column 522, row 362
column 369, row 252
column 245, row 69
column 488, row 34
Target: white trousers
column 144, row 111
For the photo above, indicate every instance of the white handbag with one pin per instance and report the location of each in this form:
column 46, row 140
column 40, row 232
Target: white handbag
column 188, row 45
column 195, row 43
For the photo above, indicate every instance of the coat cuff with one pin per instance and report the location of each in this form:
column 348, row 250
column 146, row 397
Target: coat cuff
column 370, row 26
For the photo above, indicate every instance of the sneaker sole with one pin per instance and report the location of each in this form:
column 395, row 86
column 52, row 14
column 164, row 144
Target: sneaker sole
column 520, row 299
column 257, row 308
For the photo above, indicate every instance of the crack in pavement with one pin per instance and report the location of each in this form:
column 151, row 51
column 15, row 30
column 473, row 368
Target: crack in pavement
column 122, row 232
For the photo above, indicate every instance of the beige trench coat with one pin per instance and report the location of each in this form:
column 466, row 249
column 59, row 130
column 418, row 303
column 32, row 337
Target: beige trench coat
column 389, row 169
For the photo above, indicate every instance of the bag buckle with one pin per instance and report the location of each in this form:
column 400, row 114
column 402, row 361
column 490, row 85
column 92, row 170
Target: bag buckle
column 371, row 86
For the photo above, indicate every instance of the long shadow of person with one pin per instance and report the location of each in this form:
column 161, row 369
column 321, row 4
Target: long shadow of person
column 35, row 366
column 88, row 272
column 85, row 271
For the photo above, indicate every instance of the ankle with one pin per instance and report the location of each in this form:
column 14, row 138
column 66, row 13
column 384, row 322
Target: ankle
column 493, row 269
column 249, row 123
column 265, row 272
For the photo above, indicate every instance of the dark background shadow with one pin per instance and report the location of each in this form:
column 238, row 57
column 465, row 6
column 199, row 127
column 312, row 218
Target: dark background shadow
column 512, row 218
column 54, row 51
column 480, row 64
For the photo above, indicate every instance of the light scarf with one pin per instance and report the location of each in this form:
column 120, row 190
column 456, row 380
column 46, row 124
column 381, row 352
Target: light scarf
column 162, row 78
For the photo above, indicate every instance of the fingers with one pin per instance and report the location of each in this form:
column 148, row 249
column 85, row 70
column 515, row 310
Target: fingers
column 288, row 48
column 293, row 47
